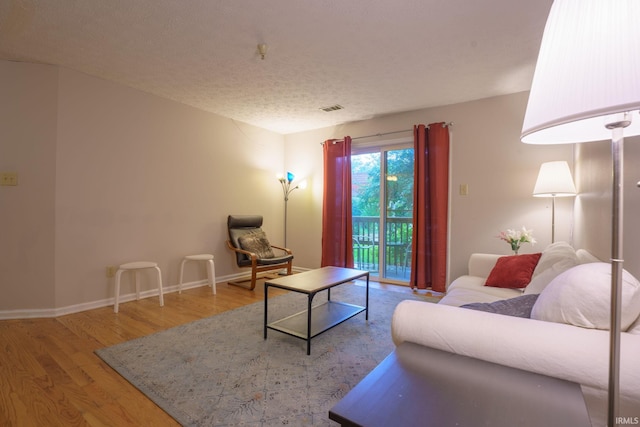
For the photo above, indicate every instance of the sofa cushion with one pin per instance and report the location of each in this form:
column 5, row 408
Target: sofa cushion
column 635, row 327
column 257, row 243
column 556, row 258
column 480, row 264
column 542, row 280
column 559, row 252
column 584, row 256
column 581, row 296
column 513, row 271
column 469, row 289
column 518, row 307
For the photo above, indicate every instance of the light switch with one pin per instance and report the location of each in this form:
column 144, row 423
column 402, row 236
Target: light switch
column 464, row 189
column 8, row 178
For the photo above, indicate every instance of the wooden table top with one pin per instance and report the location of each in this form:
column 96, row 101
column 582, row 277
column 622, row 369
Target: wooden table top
column 313, row 281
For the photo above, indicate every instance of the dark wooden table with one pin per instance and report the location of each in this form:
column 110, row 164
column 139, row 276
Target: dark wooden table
column 422, row 386
column 310, row 323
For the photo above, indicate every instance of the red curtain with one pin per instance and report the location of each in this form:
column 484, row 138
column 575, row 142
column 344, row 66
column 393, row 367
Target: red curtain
column 430, row 207
column 337, row 228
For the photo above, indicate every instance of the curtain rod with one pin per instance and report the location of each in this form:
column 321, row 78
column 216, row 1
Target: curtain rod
column 390, row 133
column 382, row 134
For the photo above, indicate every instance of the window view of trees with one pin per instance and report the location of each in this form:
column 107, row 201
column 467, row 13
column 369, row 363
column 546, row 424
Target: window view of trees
column 365, row 177
column 366, row 183
column 400, row 183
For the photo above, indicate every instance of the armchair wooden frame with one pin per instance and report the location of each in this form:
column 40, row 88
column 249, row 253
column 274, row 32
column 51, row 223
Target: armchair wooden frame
column 244, row 258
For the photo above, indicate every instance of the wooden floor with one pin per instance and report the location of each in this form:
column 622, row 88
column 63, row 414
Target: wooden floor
column 50, row 376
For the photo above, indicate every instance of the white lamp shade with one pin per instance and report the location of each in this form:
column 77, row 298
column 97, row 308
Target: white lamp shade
column 588, row 67
column 554, row 180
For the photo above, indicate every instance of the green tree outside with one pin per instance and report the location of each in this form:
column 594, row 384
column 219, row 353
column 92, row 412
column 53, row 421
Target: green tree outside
column 399, row 183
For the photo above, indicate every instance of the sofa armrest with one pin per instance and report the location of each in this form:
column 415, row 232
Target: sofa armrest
column 558, row 350
column 480, row 265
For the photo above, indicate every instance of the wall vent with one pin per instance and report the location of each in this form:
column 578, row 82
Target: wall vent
column 332, row 108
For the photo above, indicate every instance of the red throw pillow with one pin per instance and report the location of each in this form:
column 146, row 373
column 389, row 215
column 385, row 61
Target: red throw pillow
column 513, row 271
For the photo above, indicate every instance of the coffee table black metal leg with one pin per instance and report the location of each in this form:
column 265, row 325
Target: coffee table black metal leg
column 366, row 306
column 309, row 323
column 266, row 287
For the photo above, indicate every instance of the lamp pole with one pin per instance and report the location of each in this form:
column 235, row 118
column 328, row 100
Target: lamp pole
column 617, row 260
column 286, row 182
column 553, row 218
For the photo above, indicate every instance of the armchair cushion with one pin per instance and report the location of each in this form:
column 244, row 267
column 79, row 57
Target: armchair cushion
column 257, row 243
column 252, row 248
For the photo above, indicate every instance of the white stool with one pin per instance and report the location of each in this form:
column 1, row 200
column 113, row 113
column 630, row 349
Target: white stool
column 135, row 266
column 211, row 269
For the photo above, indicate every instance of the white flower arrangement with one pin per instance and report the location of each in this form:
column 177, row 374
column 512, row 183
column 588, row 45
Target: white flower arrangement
column 517, row 237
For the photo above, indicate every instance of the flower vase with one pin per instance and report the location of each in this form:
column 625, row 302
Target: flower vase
column 515, row 247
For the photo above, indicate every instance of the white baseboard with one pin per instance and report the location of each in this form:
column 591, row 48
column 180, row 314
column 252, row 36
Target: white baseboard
column 35, row 313
column 76, row 308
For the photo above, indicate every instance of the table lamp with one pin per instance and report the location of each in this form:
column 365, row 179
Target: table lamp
column 554, row 180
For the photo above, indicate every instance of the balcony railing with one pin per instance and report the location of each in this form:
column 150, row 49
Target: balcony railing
column 397, row 246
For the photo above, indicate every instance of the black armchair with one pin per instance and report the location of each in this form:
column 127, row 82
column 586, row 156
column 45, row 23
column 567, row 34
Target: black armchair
column 252, row 248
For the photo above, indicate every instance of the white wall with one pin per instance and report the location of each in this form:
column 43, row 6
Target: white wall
column 28, row 147
column 486, row 154
column 108, row 175
column 593, row 205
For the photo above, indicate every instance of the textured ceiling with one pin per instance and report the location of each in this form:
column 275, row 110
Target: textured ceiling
column 373, row 57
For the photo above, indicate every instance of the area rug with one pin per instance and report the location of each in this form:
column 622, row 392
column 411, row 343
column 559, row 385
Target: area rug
column 220, row 371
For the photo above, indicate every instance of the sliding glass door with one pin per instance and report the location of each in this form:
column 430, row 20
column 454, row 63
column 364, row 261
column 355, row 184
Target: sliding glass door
column 382, row 230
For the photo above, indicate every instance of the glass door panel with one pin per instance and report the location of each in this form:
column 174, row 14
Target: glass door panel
column 365, row 194
column 384, row 175
column 398, row 213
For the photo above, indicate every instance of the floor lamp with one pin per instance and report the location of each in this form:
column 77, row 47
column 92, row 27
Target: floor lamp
column 586, row 88
column 554, row 180
column 286, row 183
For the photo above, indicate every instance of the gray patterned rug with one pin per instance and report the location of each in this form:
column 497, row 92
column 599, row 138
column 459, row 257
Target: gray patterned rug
column 219, row 371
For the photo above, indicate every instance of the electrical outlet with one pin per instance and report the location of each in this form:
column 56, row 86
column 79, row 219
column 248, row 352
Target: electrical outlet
column 8, row 178
column 464, row 189
column 111, row 270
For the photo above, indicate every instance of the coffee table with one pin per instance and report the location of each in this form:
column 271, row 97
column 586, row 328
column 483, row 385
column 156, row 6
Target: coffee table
column 313, row 321
column 417, row 385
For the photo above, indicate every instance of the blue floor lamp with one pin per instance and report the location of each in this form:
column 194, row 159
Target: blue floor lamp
column 287, row 188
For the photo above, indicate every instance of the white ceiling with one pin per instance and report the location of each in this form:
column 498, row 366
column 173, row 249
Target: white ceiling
column 373, row 57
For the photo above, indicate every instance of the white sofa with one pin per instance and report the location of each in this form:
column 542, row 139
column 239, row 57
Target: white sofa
column 565, row 337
